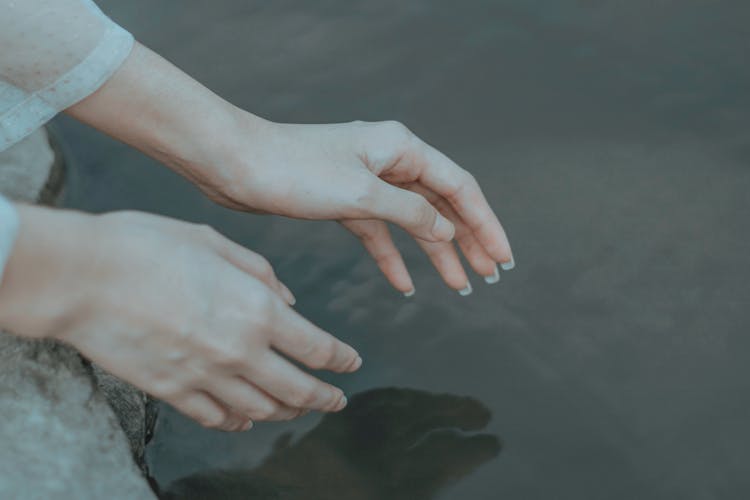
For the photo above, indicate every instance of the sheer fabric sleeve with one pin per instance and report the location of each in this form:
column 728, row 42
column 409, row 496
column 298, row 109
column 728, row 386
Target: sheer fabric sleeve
column 8, row 231
column 53, row 53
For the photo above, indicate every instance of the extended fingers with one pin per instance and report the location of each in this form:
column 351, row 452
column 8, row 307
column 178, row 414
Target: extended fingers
column 300, row 339
column 442, row 175
column 476, row 255
column 251, row 356
column 293, row 387
column 210, row 413
column 249, row 401
column 445, row 259
column 376, row 238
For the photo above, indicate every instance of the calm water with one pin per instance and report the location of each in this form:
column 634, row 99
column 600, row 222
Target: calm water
column 612, row 137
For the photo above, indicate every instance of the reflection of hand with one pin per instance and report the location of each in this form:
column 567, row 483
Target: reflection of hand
column 387, row 444
column 173, row 308
column 362, row 174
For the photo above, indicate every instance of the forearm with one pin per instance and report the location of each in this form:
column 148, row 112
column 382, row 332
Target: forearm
column 155, row 107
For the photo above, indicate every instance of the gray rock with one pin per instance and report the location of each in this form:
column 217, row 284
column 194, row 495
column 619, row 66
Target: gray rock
column 60, row 437
column 26, row 167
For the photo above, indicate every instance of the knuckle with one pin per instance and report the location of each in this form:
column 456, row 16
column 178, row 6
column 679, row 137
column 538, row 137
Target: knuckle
column 385, row 256
column 469, row 179
column 463, row 181
column 424, row 214
column 265, row 412
column 288, row 414
column 258, row 300
column 263, row 309
column 124, row 216
column 228, row 355
column 398, row 136
column 206, row 232
column 367, row 199
column 213, row 420
column 396, row 130
column 165, row 389
column 303, row 399
column 323, row 355
column 265, row 270
column 366, row 232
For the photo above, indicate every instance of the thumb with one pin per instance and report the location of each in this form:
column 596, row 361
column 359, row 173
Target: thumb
column 412, row 212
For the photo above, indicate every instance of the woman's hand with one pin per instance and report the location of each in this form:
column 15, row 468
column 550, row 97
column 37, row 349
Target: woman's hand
column 173, row 308
column 362, row 174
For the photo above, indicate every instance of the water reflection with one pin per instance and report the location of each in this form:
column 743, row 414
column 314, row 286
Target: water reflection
column 389, row 443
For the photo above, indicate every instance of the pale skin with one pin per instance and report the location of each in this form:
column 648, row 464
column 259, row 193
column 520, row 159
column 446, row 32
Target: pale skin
column 197, row 320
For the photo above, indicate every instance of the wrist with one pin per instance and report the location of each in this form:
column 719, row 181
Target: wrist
column 218, row 153
column 153, row 106
column 49, row 255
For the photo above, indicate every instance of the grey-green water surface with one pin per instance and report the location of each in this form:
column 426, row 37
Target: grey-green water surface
column 612, row 138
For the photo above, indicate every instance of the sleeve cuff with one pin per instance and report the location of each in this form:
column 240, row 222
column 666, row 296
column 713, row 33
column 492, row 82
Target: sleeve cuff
column 74, row 86
column 8, row 232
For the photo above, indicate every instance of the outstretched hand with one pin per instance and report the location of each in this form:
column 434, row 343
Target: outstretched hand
column 174, row 309
column 364, row 175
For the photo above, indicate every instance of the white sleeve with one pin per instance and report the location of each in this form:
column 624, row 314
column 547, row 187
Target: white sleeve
column 8, row 231
column 53, row 53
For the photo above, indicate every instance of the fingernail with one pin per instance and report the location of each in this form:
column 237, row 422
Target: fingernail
column 248, row 425
column 410, row 293
column 355, row 365
column 443, row 229
column 288, row 295
column 507, row 266
column 466, row 291
column 491, row 280
column 342, row 403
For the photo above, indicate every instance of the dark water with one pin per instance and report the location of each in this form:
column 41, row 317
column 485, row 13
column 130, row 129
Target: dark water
column 612, row 137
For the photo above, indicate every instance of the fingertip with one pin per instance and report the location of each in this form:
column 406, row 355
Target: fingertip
column 288, row 295
column 403, row 284
column 342, row 403
column 499, row 251
column 357, row 364
column 509, row 264
column 466, row 291
column 492, row 278
column 352, row 366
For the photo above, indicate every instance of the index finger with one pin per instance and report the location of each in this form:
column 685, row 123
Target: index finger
column 446, row 178
column 300, row 339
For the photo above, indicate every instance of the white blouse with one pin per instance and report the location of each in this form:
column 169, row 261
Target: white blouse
column 53, row 53
column 8, row 231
